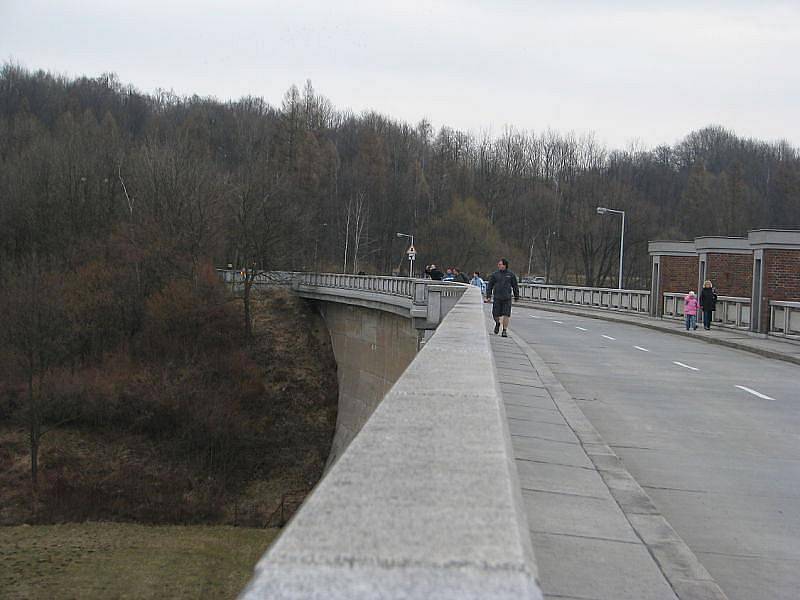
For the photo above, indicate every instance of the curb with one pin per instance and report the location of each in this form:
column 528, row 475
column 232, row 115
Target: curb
column 615, row 319
column 685, row 574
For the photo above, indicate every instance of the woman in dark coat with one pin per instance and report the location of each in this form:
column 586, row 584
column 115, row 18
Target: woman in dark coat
column 708, row 302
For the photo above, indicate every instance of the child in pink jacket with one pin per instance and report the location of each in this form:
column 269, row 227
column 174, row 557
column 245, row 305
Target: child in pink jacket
column 690, row 307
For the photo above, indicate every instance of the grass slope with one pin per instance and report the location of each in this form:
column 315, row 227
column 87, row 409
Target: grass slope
column 115, row 560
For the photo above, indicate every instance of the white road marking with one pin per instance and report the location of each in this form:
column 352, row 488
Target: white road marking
column 642, row 349
column 559, row 322
column 755, row 393
column 534, row 317
column 581, row 328
column 608, row 337
column 680, row 364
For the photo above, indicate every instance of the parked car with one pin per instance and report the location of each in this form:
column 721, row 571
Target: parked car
column 534, row 280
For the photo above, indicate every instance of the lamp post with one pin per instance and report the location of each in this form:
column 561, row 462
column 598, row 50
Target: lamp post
column 602, row 211
column 412, row 253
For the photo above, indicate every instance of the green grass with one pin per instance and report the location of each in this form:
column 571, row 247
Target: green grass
column 116, row 560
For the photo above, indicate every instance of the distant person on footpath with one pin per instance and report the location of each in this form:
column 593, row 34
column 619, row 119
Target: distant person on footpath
column 708, row 302
column 690, row 306
column 478, row 282
column 449, row 276
column 501, row 285
column 459, row 276
column 434, row 273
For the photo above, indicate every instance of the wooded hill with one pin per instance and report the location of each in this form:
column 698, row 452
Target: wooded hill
column 115, row 206
column 304, row 186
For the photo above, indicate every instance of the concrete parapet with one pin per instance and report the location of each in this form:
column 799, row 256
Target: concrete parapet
column 425, row 501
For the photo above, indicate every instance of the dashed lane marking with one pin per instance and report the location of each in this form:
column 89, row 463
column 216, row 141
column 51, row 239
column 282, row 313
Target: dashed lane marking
column 680, row 364
column 755, row 393
column 581, row 328
column 559, row 322
column 608, row 337
column 642, row 349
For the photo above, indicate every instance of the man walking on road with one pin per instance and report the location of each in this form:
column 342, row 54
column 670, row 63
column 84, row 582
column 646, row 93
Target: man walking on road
column 502, row 284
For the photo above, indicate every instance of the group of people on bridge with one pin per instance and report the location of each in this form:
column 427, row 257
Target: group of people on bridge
column 501, row 286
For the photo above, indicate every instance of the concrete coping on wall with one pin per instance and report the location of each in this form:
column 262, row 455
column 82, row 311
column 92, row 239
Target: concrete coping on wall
column 670, row 248
column 425, row 502
column 723, row 245
column 779, row 239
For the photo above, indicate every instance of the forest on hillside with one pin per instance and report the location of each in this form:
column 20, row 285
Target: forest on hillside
column 116, row 205
column 170, row 182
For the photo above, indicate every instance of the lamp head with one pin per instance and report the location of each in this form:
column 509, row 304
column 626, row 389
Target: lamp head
column 601, row 210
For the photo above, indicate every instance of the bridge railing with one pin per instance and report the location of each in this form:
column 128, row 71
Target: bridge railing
column 611, row 299
column 394, row 286
column 731, row 311
column 428, row 301
column 784, row 318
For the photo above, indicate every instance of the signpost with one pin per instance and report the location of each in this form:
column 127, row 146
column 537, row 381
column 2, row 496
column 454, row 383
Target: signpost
column 412, row 254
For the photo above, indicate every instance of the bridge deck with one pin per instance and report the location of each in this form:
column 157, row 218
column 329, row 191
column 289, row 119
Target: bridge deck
column 595, row 533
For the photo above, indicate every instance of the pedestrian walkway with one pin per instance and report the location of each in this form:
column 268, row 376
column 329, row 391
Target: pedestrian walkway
column 596, row 534
column 768, row 346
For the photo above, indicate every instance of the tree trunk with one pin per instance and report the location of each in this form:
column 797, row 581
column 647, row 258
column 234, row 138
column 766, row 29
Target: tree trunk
column 248, row 323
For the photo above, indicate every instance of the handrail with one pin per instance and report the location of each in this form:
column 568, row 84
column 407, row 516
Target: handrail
column 396, row 286
column 784, row 318
column 606, row 298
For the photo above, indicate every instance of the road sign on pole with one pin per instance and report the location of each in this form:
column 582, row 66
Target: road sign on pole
column 412, row 254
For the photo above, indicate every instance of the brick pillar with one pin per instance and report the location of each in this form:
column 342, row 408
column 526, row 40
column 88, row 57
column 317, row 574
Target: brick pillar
column 728, row 263
column 674, row 267
column 776, row 272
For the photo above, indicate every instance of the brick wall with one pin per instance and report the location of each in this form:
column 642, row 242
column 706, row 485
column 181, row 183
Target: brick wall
column 731, row 274
column 782, row 274
column 781, row 279
column 678, row 274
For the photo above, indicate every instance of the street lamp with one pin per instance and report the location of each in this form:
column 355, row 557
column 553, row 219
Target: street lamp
column 412, row 253
column 602, row 211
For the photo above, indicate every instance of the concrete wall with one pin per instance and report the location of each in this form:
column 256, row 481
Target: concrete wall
column 372, row 350
column 425, row 501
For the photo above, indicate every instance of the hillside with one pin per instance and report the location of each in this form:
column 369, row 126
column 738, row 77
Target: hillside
column 223, row 432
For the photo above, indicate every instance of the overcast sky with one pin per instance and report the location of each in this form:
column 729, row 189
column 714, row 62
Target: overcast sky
column 641, row 71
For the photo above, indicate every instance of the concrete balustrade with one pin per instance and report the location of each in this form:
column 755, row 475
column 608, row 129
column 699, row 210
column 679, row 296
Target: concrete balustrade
column 784, row 318
column 611, row 299
column 731, row 311
column 425, row 501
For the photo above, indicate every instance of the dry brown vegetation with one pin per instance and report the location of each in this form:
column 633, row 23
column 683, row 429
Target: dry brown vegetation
column 202, row 427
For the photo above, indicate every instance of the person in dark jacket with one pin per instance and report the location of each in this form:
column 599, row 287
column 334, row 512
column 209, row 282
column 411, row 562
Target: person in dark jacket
column 435, row 273
column 502, row 284
column 459, row 276
column 708, row 302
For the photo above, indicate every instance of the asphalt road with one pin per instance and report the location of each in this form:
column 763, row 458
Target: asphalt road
column 711, row 433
